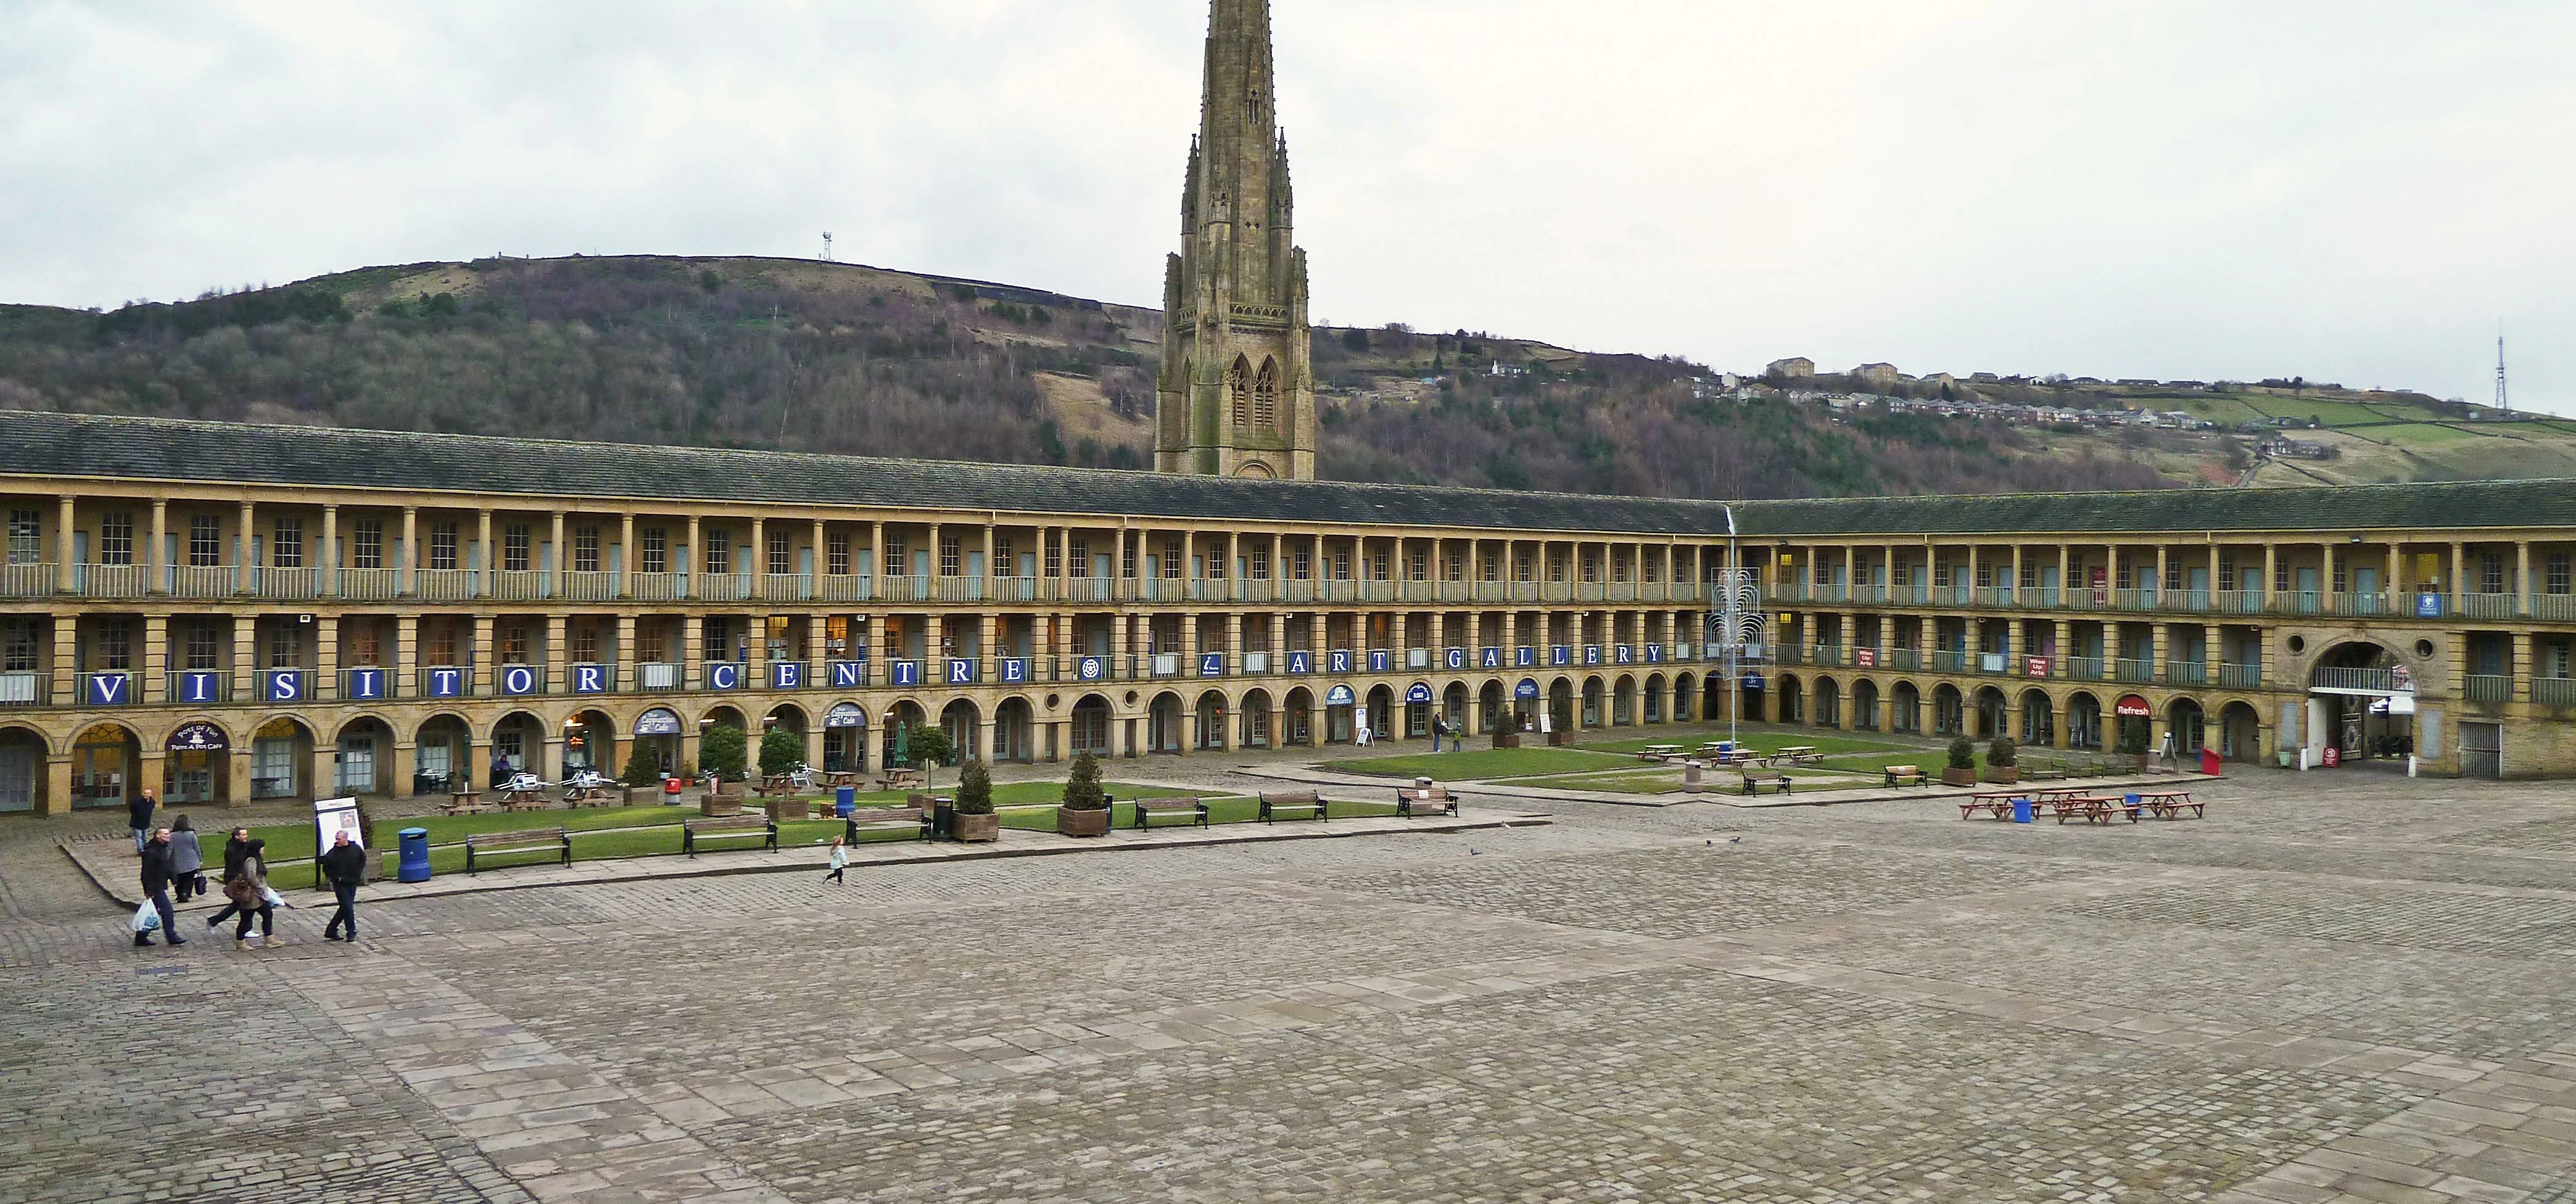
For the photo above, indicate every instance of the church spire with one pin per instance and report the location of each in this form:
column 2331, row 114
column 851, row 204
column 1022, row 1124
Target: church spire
column 1235, row 395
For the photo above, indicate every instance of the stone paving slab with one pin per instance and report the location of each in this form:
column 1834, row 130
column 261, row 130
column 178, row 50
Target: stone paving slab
column 1316, row 775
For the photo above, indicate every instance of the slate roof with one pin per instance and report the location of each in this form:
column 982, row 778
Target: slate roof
column 50, row 445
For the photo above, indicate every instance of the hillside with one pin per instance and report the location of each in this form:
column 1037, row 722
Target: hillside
column 842, row 358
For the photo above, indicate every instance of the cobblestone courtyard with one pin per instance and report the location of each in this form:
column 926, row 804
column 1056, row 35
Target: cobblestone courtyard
column 2345, row 987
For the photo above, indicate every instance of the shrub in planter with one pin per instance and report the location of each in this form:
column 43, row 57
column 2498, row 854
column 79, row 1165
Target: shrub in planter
column 2001, row 761
column 642, row 767
column 1085, row 810
column 781, row 751
column 721, row 752
column 1507, row 729
column 975, row 819
column 1962, row 769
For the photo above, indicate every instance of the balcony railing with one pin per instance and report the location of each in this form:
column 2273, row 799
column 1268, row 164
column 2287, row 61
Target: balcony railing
column 2355, row 678
column 1827, row 655
column 30, row 579
column 112, row 580
column 2189, row 600
column 2084, row 668
column 724, row 587
column 2554, row 691
column 2240, row 677
column 26, row 688
column 786, row 587
column 1904, row 660
column 590, row 587
column 2490, row 606
column 271, row 582
column 203, row 580
column 444, row 585
column 2134, row 670
column 2186, row 673
column 2561, row 607
column 1949, row 660
column 2133, row 599
column 903, row 589
column 1015, row 589
column 2239, row 601
column 518, row 585
column 2486, row 687
column 660, row 587
column 371, row 585
column 844, row 587
column 2298, row 602
column 658, row 675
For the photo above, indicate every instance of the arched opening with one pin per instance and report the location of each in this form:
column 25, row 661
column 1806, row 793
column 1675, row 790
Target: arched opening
column 1684, row 690
column 1623, row 701
column 1751, row 699
column 2038, row 719
column 1828, row 702
column 2361, row 702
column 1905, row 709
column 1299, row 717
column 442, row 756
column 196, row 764
column 1949, row 711
column 1592, row 702
column 1254, row 470
column 1865, row 705
column 1265, row 397
column 2189, row 728
column 22, row 769
column 1453, row 707
column 894, row 745
column 2084, row 722
column 1793, row 698
column 1238, row 392
column 1992, row 713
column 963, row 723
column 2240, row 732
column 1560, row 705
column 1381, row 712
column 1207, row 722
column 590, row 745
column 362, row 763
column 789, row 718
column 1089, row 730
column 1163, row 719
column 281, row 759
column 1341, row 706
column 104, row 757
column 1257, row 721
column 657, row 731
column 1417, row 711
column 2133, row 723
column 1014, row 730
column 1653, row 698
column 1490, row 701
column 845, row 738
column 518, row 746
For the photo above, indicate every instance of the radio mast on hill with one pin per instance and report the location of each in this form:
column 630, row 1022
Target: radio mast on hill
column 2501, row 402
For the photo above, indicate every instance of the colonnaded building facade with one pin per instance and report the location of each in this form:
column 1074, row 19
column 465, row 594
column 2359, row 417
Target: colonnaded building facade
column 224, row 613
column 230, row 612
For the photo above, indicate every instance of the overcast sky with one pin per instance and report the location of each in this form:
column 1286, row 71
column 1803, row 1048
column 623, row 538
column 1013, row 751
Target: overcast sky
column 2352, row 191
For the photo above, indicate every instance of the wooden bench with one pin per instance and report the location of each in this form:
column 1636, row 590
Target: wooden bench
column 1416, row 802
column 739, row 827
column 886, row 819
column 556, row 843
column 1308, row 801
column 2053, row 771
column 1907, row 775
column 1756, row 783
column 1147, row 809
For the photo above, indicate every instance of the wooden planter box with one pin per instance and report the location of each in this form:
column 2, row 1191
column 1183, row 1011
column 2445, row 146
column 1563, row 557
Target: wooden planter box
column 1507, row 739
column 1958, row 777
column 714, row 805
column 1069, row 822
column 977, row 829
column 2003, row 775
column 781, row 810
column 1559, row 739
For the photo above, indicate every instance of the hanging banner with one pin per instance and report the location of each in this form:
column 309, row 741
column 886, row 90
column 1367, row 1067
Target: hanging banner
column 1338, row 696
column 657, row 722
column 2131, row 706
column 1527, row 689
column 845, row 715
column 1419, row 693
column 199, row 737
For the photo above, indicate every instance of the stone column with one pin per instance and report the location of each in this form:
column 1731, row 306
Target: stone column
column 624, row 657
column 406, row 662
column 326, row 658
column 558, row 561
column 156, row 659
column 245, row 666
column 155, row 558
column 760, row 568
column 64, row 567
column 245, row 558
column 485, row 656
column 490, row 576
column 2522, row 582
column 626, row 555
column 410, row 548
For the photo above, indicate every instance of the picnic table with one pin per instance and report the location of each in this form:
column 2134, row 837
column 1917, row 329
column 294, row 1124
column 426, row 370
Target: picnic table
column 1797, row 754
column 515, row 798
column 1997, row 801
column 900, row 779
column 2170, row 804
column 775, row 785
column 840, row 777
column 1664, row 750
column 464, row 802
column 2097, row 808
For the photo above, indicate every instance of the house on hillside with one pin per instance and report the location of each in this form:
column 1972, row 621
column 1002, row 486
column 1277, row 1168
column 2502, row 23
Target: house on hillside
column 2282, row 447
column 1793, row 368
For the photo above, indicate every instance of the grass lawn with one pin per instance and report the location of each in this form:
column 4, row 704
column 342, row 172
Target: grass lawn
column 1228, row 810
column 1766, row 742
column 1484, row 763
column 1616, row 783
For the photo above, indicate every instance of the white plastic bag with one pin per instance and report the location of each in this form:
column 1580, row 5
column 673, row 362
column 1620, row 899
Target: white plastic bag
column 146, row 919
column 270, row 896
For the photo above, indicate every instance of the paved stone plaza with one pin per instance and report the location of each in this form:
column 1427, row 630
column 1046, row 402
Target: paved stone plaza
column 2345, row 987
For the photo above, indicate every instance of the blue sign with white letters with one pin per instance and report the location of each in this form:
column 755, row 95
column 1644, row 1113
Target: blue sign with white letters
column 1623, row 655
column 1211, row 664
column 1338, row 696
column 724, row 675
column 107, row 689
column 1381, row 662
column 1527, row 689
column 1559, row 654
column 199, row 685
column 1654, row 654
column 1091, row 668
column 849, row 675
column 282, row 685
column 1338, row 660
column 1491, row 658
column 1419, row 693
column 366, row 685
column 1524, row 657
column 1592, row 654
column 1457, row 658
column 903, row 673
column 961, row 672
column 786, row 675
column 518, row 679
column 1015, row 669
column 2428, row 606
column 1301, row 663
column 443, row 682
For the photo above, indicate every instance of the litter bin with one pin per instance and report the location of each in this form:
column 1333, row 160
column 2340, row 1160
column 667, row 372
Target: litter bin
column 845, row 799
column 413, row 863
column 2021, row 810
column 943, row 818
column 1692, row 772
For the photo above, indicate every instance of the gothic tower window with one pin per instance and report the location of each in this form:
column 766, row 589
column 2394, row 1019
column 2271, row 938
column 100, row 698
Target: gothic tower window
column 1265, row 396
column 1239, row 389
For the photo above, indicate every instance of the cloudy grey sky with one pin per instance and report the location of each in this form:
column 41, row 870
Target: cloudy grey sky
column 2355, row 191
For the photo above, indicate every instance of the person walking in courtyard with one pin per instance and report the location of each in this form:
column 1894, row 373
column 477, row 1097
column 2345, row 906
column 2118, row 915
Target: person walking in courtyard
column 243, row 858
column 138, row 816
column 156, row 888
column 1439, row 729
column 840, row 860
column 345, row 866
column 247, row 898
column 187, row 862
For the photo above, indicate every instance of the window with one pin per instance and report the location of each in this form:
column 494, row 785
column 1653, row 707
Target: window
column 205, row 541
column 1238, row 388
column 1592, row 568
column 1301, row 564
column 585, row 644
column 442, row 645
column 1420, row 568
column 585, row 549
column 19, row 653
column 1985, row 574
column 367, row 544
column 205, row 643
column 896, row 564
column 836, row 561
column 836, row 636
column 116, row 538
column 1265, row 397
column 115, row 644
column 514, row 548
column 2030, row 576
column 1377, row 565
column 2120, row 578
column 948, row 556
column 2491, row 574
column 1493, row 566
column 782, row 556
column 442, row 547
column 366, row 645
column 286, row 646
column 1342, row 563
column 1126, row 556
column 651, row 646
column 513, row 638
column 2339, row 578
column 1081, row 554
column 1260, row 564
column 286, row 551
column 1003, row 561
column 719, row 552
column 1054, row 554
column 2281, row 577
column 1171, row 558
column 1556, row 565
column 656, row 556
column 26, row 537
column 2558, row 573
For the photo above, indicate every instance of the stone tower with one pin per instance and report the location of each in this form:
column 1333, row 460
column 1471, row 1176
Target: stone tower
column 1236, row 396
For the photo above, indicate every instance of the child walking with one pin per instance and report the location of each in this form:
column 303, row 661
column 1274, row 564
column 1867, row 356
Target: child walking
column 840, row 861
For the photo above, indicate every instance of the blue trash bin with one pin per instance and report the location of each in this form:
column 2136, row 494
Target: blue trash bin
column 2021, row 810
column 413, row 864
column 845, row 799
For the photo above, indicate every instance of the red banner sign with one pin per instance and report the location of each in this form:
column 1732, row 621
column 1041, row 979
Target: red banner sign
column 2131, row 706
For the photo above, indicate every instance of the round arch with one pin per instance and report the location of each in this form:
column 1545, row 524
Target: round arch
column 1992, row 714
column 1208, row 721
column 1088, row 729
column 1165, row 723
column 281, row 758
column 1297, row 717
column 963, row 723
column 1792, row 698
column 24, row 751
column 2084, row 720
column 363, row 756
column 1949, row 711
column 1864, row 704
column 1260, row 727
column 1015, row 729
column 2038, row 718
column 1905, row 707
column 1623, row 700
column 105, row 758
column 1594, row 693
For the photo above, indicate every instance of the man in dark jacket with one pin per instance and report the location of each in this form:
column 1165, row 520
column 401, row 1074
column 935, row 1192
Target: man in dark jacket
column 156, row 887
column 345, row 866
column 138, row 816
